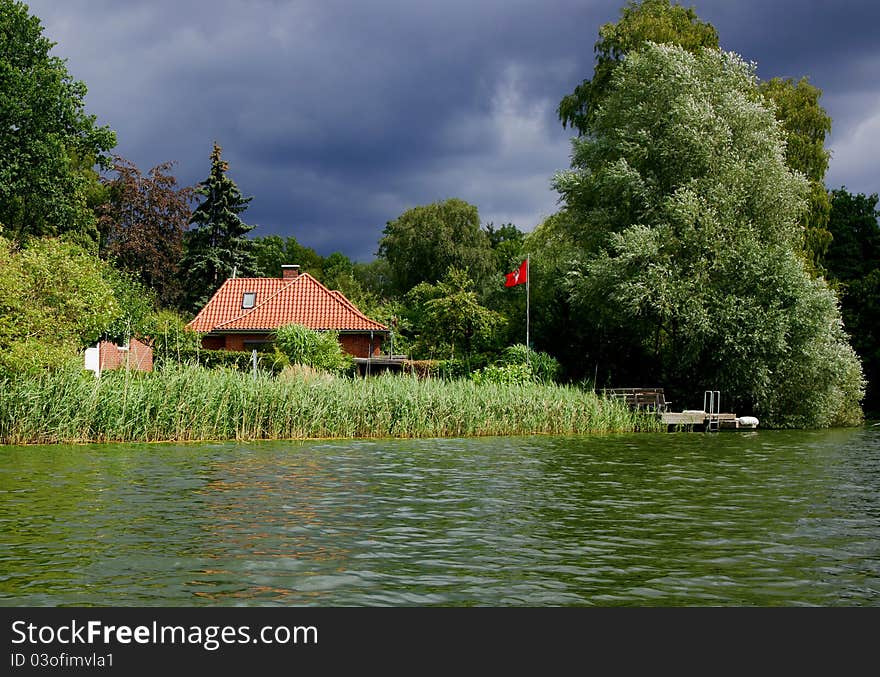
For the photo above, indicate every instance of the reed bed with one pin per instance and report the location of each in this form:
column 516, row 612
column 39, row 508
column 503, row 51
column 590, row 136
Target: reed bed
column 189, row 403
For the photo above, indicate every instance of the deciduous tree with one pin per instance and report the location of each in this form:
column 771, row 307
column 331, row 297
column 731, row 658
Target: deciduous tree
column 796, row 105
column 689, row 217
column 806, row 126
column 424, row 242
column 272, row 251
column 447, row 317
column 853, row 261
column 56, row 298
column 649, row 20
column 507, row 249
column 48, row 143
column 142, row 224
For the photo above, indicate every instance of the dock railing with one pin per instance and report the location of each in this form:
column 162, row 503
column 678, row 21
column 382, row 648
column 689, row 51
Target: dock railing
column 652, row 399
column 712, row 407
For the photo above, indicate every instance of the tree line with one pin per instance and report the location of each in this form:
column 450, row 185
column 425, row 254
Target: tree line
column 696, row 247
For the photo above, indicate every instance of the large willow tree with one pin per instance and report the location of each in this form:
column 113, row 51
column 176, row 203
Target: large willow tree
column 686, row 218
column 805, row 123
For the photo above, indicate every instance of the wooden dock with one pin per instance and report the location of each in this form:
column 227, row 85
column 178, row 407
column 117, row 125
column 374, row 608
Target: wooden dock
column 709, row 418
column 700, row 419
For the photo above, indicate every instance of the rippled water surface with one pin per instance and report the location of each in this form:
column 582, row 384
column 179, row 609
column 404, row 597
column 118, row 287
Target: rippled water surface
column 761, row 518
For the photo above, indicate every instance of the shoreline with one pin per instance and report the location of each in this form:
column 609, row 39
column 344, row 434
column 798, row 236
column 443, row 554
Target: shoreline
column 193, row 404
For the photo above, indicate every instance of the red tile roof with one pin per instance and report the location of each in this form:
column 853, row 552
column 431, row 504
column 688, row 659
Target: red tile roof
column 301, row 300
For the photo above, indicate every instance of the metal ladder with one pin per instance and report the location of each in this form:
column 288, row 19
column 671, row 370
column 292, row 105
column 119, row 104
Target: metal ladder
column 712, row 407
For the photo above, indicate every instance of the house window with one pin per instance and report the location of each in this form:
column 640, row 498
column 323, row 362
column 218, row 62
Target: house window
column 248, row 299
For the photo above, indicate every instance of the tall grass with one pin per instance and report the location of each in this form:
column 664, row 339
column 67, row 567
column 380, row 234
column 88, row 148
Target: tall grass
column 192, row 403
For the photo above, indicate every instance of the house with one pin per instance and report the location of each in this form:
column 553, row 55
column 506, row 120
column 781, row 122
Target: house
column 245, row 312
column 135, row 355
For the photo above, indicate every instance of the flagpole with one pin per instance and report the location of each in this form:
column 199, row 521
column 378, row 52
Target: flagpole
column 528, row 281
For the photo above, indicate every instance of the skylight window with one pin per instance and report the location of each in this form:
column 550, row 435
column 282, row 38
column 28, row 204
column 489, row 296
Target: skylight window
column 248, row 299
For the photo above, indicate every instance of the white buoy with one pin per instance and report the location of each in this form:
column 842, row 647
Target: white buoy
column 747, row 422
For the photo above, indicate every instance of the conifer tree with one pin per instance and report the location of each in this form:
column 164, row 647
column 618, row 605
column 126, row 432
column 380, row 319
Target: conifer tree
column 217, row 246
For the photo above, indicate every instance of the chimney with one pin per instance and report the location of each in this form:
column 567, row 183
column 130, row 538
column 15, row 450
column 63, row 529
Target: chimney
column 289, row 271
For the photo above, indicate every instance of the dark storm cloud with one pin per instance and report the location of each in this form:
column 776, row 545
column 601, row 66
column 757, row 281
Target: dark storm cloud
column 835, row 45
column 338, row 116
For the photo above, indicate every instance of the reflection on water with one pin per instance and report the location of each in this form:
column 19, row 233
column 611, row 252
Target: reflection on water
column 765, row 518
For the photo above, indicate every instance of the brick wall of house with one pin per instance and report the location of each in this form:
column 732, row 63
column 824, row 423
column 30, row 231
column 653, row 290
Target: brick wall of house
column 358, row 345
column 236, row 341
column 213, row 342
column 233, row 341
column 139, row 356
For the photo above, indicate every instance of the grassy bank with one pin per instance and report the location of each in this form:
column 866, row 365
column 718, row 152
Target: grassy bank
column 192, row 403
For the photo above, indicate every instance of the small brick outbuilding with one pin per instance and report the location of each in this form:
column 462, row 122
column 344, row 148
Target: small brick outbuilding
column 107, row 355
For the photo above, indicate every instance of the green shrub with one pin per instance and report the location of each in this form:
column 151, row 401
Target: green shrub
column 544, row 368
column 238, row 360
column 318, row 349
column 506, row 373
column 462, row 367
column 170, row 337
column 55, row 299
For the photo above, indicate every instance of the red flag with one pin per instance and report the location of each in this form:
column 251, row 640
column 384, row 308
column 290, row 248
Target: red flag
column 518, row 276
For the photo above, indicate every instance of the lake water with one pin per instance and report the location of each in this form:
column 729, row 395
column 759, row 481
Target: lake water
column 761, row 518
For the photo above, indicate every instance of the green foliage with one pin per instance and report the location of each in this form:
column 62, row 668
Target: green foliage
column 395, row 316
column 142, row 223
column 805, row 122
column 853, row 261
column 806, row 125
column 48, row 143
column 337, row 265
column 423, row 242
column 449, row 370
column 217, row 246
column 375, row 278
column 137, row 306
column 506, row 242
column 640, row 22
column 339, row 273
column 186, row 403
column 268, row 361
column 556, row 246
column 447, row 317
column 687, row 220
column 520, row 364
column 171, row 339
column 55, row 298
column 318, row 349
column 543, row 368
column 513, row 374
column 458, row 368
column 272, row 251
column 855, row 249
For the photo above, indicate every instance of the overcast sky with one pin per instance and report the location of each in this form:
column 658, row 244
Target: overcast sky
column 337, row 116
